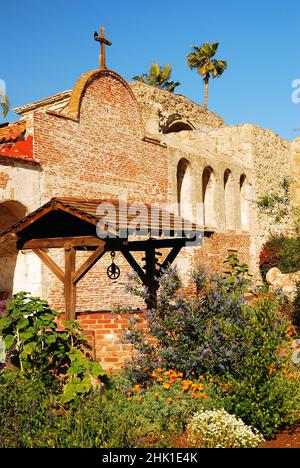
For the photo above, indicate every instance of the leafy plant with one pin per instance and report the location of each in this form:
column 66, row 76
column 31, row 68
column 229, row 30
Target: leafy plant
column 277, row 204
column 36, row 346
column 201, row 59
column 159, row 77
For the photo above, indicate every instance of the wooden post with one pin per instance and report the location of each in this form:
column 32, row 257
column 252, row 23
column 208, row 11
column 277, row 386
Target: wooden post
column 70, row 287
column 152, row 283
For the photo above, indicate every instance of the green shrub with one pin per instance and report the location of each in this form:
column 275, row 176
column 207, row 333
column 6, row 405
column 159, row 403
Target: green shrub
column 281, row 252
column 35, row 346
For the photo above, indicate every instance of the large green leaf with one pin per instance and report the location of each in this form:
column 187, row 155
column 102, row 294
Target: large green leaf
column 29, row 348
column 23, row 323
column 4, row 323
column 9, row 341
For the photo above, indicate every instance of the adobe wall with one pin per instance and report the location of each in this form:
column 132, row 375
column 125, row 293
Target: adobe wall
column 19, row 195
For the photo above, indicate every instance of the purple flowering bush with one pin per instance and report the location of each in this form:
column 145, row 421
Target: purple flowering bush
column 218, row 332
column 209, row 333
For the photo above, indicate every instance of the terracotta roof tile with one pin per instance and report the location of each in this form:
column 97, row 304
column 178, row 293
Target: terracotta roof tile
column 20, row 150
column 13, row 132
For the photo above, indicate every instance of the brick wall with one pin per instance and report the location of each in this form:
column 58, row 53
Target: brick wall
column 104, row 331
column 103, row 155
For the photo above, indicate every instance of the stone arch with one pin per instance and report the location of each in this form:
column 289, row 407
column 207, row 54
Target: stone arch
column 245, row 202
column 184, row 189
column 178, row 126
column 208, row 194
column 11, row 211
column 229, row 200
column 175, row 124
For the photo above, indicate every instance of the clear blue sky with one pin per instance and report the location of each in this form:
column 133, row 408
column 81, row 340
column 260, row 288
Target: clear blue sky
column 46, row 45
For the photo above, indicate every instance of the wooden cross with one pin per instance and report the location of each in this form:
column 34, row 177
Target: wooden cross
column 104, row 42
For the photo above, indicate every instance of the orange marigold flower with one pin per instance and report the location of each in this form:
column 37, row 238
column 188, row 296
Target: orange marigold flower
column 167, row 373
column 195, row 386
column 166, row 386
column 154, row 374
column 160, row 380
column 193, row 373
column 200, row 387
column 201, row 377
column 159, row 370
column 129, row 399
column 204, row 396
column 139, row 399
column 195, row 395
column 156, row 395
column 169, row 400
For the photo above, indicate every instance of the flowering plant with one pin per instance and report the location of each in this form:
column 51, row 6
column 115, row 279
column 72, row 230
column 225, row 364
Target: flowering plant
column 218, row 429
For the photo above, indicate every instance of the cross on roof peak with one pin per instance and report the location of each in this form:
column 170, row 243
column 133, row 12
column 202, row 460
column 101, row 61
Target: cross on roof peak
column 104, row 42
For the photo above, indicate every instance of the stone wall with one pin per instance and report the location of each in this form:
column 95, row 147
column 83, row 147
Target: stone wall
column 160, row 109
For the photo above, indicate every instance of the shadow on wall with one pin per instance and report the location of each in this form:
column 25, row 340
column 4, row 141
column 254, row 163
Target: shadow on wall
column 10, row 212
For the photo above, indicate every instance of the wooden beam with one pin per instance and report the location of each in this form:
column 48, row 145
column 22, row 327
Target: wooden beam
column 170, row 259
column 59, row 242
column 58, row 272
column 134, row 264
column 89, row 263
column 143, row 245
column 70, row 287
column 152, row 283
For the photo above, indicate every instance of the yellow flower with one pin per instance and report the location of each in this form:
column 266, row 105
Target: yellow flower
column 166, row 386
column 139, row 399
column 156, row 395
column 169, row 400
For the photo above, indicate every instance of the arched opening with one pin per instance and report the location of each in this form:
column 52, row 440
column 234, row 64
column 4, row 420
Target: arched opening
column 245, row 202
column 208, row 193
column 179, row 126
column 10, row 212
column 184, row 189
column 229, row 200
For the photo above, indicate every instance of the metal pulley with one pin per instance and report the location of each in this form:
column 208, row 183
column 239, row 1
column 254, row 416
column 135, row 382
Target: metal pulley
column 113, row 271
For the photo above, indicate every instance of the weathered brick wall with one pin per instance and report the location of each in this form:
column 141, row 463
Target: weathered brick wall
column 103, row 154
column 104, row 331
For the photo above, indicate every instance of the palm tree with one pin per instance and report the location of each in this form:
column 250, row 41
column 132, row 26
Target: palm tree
column 158, row 77
column 201, row 58
column 5, row 105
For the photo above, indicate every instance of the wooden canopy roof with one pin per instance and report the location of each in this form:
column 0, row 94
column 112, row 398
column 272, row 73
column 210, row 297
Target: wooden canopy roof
column 71, row 224
column 77, row 217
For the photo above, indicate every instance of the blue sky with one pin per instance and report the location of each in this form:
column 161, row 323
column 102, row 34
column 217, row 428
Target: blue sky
column 46, row 45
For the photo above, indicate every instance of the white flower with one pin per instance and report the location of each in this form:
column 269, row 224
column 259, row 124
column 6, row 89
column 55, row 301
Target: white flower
column 218, row 429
